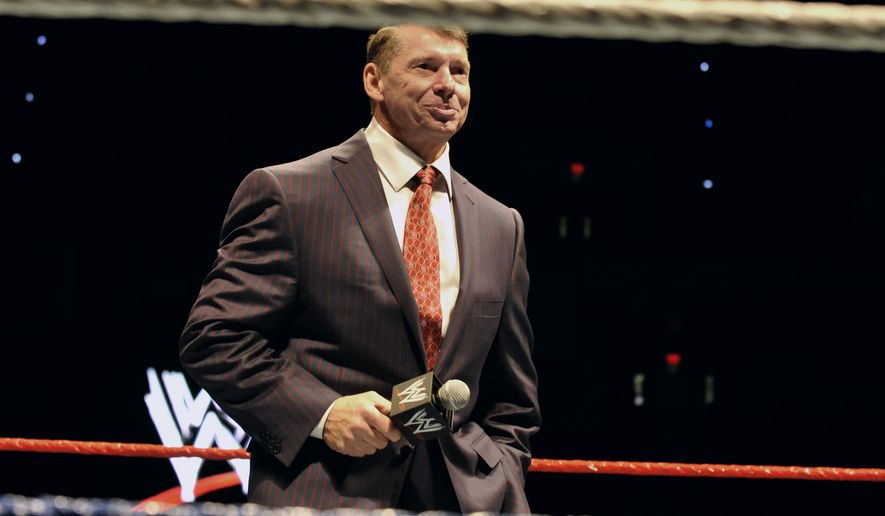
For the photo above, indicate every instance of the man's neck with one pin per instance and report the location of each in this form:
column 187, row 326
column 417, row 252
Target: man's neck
column 429, row 151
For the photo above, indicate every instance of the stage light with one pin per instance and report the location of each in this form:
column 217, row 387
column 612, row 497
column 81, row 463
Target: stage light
column 577, row 170
column 41, row 40
column 708, row 183
column 708, row 123
column 16, row 158
column 29, row 97
column 638, row 389
column 705, row 66
column 709, row 389
column 673, row 360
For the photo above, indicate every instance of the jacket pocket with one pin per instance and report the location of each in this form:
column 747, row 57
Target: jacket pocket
column 487, row 308
column 488, row 452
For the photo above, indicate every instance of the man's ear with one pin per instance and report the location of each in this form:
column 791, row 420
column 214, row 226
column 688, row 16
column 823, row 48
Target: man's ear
column 372, row 82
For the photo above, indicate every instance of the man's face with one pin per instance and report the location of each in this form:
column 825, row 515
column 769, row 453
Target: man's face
column 423, row 97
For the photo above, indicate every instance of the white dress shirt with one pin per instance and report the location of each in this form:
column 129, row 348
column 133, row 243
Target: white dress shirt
column 397, row 165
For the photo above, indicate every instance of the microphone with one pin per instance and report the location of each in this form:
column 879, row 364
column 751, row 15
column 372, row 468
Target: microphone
column 422, row 408
column 453, row 395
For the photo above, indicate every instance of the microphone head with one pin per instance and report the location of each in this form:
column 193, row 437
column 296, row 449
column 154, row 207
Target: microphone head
column 453, row 395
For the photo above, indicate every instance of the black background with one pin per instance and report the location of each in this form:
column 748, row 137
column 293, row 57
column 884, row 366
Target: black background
column 770, row 282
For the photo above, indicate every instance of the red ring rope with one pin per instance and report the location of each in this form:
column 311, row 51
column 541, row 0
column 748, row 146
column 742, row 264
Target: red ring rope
column 665, row 469
column 157, row 451
column 669, row 469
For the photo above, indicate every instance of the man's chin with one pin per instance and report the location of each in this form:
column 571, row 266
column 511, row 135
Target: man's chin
column 448, row 127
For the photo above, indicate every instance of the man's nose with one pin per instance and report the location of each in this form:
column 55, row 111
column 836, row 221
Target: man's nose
column 445, row 84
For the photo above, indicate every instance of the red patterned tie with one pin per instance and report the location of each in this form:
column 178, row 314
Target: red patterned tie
column 421, row 254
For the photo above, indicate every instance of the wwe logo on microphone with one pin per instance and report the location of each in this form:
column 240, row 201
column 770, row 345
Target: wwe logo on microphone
column 413, row 393
column 423, row 424
column 182, row 419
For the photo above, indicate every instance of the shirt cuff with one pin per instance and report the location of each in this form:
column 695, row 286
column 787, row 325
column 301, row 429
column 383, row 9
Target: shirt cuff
column 318, row 430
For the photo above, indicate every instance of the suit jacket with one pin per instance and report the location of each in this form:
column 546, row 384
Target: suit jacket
column 309, row 300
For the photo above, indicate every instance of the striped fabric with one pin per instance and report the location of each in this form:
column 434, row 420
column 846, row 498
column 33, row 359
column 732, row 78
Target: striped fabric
column 309, row 299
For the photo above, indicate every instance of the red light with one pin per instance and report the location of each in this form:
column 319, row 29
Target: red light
column 577, row 170
column 674, row 359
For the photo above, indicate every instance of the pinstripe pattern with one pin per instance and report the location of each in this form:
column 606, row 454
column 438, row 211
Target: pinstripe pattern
column 309, row 300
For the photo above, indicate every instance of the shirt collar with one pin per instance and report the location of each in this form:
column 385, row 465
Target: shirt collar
column 398, row 164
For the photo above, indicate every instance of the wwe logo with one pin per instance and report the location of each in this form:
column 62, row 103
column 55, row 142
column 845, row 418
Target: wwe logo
column 413, row 393
column 182, row 419
column 422, row 423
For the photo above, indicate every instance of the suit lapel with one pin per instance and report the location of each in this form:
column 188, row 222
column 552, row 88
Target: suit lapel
column 358, row 175
column 466, row 227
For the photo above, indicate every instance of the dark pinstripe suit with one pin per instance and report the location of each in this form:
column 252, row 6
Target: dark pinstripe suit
column 309, row 300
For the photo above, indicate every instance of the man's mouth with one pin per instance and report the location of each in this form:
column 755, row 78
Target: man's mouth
column 442, row 113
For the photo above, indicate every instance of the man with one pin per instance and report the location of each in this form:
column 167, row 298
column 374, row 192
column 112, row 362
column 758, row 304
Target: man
column 342, row 274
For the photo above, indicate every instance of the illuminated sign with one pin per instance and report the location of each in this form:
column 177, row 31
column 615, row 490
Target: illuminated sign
column 182, row 419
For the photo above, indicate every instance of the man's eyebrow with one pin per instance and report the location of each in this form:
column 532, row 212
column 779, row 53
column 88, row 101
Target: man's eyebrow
column 420, row 58
column 437, row 57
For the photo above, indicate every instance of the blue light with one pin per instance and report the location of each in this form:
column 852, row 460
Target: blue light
column 29, row 97
column 708, row 183
column 705, row 66
column 708, row 123
column 41, row 40
column 16, row 158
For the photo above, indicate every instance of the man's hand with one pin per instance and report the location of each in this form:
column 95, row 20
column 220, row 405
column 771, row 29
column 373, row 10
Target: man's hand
column 358, row 425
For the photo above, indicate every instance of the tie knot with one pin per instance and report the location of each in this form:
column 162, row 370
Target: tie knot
column 427, row 175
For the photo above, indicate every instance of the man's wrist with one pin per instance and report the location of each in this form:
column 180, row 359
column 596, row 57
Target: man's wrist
column 318, row 430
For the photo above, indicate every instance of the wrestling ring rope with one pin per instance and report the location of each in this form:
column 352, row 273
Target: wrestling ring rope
column 741, row 22
column 666, row 469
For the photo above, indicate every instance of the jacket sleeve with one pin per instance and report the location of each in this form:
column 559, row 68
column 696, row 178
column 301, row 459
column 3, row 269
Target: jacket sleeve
column 231, row 342
column 509, row 393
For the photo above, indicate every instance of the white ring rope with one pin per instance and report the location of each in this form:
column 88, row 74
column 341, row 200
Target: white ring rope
column 741, row 22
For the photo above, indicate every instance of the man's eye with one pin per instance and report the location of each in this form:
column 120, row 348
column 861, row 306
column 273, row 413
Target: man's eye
column 423, row 66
